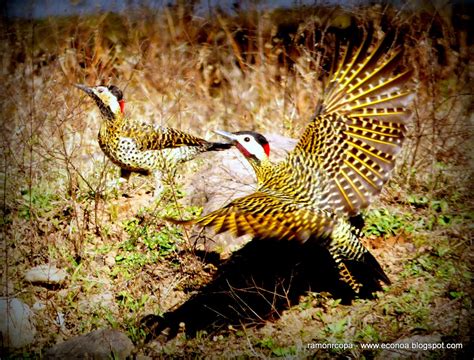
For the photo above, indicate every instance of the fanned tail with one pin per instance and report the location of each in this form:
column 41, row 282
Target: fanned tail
column 375, row 268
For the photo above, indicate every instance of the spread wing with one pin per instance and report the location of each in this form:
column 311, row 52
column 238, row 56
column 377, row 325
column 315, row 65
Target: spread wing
column 149, row 137
column 359, row 126
column 265, row 216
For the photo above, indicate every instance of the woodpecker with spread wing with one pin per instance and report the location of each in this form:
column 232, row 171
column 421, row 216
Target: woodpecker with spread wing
column 136, row 146
column 342, row 160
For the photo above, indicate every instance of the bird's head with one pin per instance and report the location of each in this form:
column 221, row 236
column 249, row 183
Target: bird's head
column 109, row 99
column 252, row 145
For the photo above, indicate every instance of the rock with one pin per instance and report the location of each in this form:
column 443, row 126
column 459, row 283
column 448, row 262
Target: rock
column 105, row 300
column 227, row 177
column 46, row 274
column 414, row 347
column 17, row 325
column 39, row 306
column 99, row 344
column 110, row 260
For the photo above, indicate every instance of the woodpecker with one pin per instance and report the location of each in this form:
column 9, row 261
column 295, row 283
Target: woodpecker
column 342, row 160
column 136, row 146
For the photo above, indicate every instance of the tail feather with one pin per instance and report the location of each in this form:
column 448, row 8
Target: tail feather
column 372, row 263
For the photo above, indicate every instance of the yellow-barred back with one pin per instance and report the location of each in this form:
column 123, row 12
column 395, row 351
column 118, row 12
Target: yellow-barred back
column 137, row 146
column 344, row 157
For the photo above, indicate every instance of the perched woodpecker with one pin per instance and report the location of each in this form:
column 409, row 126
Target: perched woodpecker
column 344, row 157
column 136, row 146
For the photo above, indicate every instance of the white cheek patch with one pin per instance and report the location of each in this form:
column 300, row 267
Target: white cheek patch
column 255, row 149
column 114, row 104
column 108, row 98
column 260, row 152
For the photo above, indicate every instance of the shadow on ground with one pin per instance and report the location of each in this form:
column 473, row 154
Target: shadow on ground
column 256, row 284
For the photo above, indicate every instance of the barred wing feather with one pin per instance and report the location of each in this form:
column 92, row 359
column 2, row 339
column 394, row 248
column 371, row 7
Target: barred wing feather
column 150, row 137
column 359, row 127
column 265, row 216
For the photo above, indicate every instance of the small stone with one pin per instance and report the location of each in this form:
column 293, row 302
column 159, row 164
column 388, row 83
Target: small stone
column 38, row 306
column 63, row 293
column 99, row 344
column 60, row 320
column 45, row 274
column 16, row 323
column 105, row 300
column 410, row 247
column 110, row 260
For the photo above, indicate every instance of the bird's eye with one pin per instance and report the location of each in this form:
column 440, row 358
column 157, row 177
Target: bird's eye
column 100, row 90
column 247, row 139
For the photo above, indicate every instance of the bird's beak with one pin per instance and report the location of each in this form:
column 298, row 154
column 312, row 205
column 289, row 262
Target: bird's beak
column 226, row 134
column 85, row 88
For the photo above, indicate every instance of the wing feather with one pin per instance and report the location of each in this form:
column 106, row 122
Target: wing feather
column 265, row 216
column 150, row 137
column 359, row 128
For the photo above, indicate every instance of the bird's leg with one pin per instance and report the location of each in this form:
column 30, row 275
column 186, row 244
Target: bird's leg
column 125, row 174
column 117, row 182
column 344, row 273
column 345, row 245
column 124, row 179
column 158, row 184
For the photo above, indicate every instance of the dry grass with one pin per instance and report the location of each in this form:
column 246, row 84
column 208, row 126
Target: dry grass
column 242, row 72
